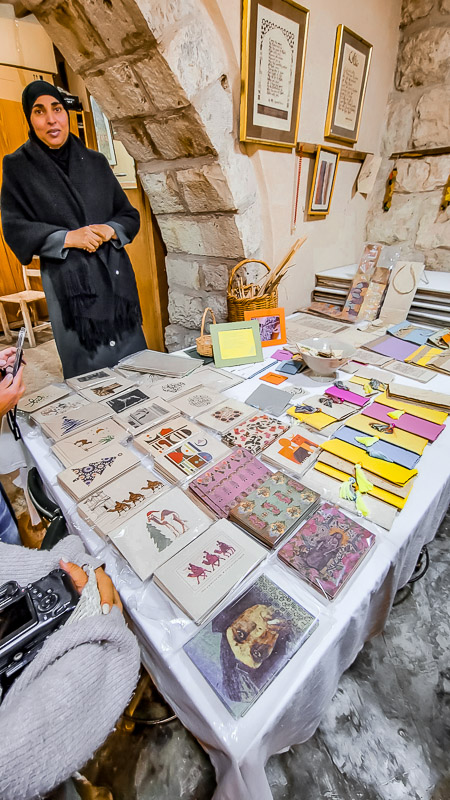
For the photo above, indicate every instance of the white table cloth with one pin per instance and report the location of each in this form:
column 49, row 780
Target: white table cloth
column 291, row 708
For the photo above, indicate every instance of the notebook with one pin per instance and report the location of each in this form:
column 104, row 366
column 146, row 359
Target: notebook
column 197, row 401
column 255, row 433
column 159, row 363
column 105, row 508
column 407, row 422
column 158, row 530
column 269, row 399
column 187, row 459
column 392, row 347
column 88, row 441
column 356, row 455
column 327, row 550
column 291, row 451
column 409, row 441
column 275, row 508
column 222, row 486
column 165, row 435
column 199, row 577
column 226, row 415
column 91, row 473
column 65, row 424
column 37, row 400
column 379, row 449
column 244, row 647
column 410, row 332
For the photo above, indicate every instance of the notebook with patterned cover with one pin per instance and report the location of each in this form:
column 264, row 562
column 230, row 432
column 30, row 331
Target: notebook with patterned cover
column 222, row 486
column 327, row 549
column 256, row 433
column 275, row 508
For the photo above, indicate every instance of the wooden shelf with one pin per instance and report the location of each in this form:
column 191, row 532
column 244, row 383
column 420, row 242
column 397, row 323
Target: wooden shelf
column 308, row 149
column 428, row 151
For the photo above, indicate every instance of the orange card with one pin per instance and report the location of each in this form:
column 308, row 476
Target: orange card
column 272, row 377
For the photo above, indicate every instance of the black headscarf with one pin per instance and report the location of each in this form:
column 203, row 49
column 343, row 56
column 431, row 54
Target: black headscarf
column 30, row 94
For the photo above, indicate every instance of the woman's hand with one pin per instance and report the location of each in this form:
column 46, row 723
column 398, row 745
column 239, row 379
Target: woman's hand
column 11, row 390
column 108, row 594
column 7, row 358
column 106, row 232
column 84, row 239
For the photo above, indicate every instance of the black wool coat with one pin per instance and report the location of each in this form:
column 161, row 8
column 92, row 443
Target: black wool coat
column 92, row 297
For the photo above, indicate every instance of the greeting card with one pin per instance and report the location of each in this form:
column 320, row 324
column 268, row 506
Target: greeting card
column 166, row 435
column 88, row 441
column 222, row 486
column 190, row 457
column 198, row 401
column 90, row 474
column 255, row 434
column 291, row 451
column 37, row 400
column 226, row 415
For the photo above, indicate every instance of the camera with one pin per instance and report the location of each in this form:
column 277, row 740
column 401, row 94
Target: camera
column 28, row 615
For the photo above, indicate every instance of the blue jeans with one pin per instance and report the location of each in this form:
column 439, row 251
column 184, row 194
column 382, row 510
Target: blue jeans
column 8, row 528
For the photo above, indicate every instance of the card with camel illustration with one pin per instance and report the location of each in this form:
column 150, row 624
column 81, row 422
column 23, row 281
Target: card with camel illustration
column 204, row 572
column 119, row 500
column 166, row 435
column 88, row 441
column 72, row 421
column 158, row 530
column 94, row 472
column 107, row 389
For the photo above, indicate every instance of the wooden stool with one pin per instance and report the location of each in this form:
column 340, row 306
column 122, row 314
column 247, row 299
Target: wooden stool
column 24, row 299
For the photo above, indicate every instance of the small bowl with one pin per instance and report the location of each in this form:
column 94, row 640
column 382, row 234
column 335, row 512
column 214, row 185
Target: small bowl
column 321, row 365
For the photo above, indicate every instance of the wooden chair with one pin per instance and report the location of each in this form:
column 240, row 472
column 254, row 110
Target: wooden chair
column 25, row 300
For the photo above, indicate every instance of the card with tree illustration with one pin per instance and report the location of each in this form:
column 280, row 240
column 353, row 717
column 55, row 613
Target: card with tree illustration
column 67, row 404
column 88, row 441
column 91, row 473
column 72, row 421
column 160, row 529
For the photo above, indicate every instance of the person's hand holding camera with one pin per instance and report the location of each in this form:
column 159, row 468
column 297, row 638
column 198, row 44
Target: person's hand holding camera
column 11, row 390
column 109, row 596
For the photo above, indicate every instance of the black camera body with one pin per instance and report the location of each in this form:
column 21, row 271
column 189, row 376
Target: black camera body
column 28, row 615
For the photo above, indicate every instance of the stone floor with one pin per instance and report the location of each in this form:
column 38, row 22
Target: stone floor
column 386, row 734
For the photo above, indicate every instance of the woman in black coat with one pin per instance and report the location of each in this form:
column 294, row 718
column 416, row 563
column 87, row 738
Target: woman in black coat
column 61, row 202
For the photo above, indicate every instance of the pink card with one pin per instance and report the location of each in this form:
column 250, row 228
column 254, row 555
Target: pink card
column 349, row 397
column 407, row 422
column 282, row 355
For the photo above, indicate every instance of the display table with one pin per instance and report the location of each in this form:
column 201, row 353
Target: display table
column 292, row 706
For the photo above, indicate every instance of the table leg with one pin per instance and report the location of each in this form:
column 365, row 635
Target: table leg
column 27, row 322
column 5, row 324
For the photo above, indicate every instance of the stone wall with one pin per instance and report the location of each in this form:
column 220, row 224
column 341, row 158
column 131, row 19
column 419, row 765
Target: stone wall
column 418, row 117
column 158, row 70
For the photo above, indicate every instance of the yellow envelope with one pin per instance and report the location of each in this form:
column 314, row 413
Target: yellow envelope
column 392, row 472
column 344, row 466
column 318, row 420
column 423, row 355
column 430, row 414
column 409, row 441
column 388, row 497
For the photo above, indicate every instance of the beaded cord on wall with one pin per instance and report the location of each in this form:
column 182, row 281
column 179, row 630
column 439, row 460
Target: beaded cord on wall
column 297, row 189
column 390, row 188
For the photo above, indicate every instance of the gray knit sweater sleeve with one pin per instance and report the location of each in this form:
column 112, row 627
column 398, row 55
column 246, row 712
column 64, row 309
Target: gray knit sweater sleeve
column 67, row 701
column 24, row 566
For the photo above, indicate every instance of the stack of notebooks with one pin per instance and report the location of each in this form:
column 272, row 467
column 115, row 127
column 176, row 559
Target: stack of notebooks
column 159, row 364
column 327, row 550
column 256, row 433
column 74, row 420
column 88, row 442
column 244, row 647
column 158, row 530
column 275, row 508
column 323, row 412
column 204, row 572
column 228, row 481
column 92, row 473
column 119, row 500
column 190, row 457
column 333, row 285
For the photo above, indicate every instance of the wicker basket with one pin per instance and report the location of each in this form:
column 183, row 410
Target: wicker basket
column 203, row 342
column 237, row 305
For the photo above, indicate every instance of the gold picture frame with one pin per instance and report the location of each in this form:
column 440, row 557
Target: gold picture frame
column 270, row 109
column 324, row 177
column 351, row 64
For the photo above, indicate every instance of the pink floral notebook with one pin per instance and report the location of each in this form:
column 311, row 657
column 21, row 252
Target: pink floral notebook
column 222, row 486
column 327, row 549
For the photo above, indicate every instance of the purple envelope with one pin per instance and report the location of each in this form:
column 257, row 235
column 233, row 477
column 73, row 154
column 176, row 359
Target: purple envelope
column 349, row 397
column 407, row 422
column 393, row 347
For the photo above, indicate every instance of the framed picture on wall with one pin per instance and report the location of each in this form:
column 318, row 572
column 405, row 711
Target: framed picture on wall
column 349, row 75
column 324, row 176
column 274, row 34
column 103, row 133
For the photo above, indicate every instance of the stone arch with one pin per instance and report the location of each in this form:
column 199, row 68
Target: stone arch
column 158, row 70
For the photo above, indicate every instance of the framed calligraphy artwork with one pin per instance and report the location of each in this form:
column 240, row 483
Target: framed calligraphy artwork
column 324, row 176
column 274, row 34
column 351, row 64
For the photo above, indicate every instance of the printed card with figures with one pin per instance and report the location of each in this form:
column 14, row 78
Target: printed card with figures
column 204, row 572
column 158, row 530
column 113, row 504
column 87, row 442
column 72, row 421
column 67, row 404
column 93, row 472
column 190, row 457
column 166, row 435
column 107, row 389
column 37, row 400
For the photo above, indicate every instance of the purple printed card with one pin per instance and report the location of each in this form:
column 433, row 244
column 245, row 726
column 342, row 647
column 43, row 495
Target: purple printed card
column 327, row 549
column 393, row 347
column 222, row 486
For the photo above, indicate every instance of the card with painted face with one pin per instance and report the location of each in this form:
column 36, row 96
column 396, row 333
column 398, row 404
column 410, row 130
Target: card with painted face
column 204, row 572
column 166, row 435
column 226, row 415
column 190, row 457
column 87, row 442
column 246, row 645
column 119, row 500
column 90, row 474
column 37, row 400
column 159, row 530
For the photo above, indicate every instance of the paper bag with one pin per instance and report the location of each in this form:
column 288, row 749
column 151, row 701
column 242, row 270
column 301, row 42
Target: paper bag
column 402, row 288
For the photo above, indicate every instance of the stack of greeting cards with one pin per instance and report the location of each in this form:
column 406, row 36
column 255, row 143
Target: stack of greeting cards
column 204, row 572
column 291, row 451
column 197, row 401
column 88, row 441
column 174, row 387
column 275, row 508
column 143, row 414
column 120, row 499
column 256, row 433
column 242, row 649
column 158, row 530
column 72, row 420
column 93, row 472
column 222, row 486
column 166, row 435
column 64, row 406
column 226, row 415
column 327, row 549
column 159, row 364
column 90, row 379
column 37, row 400
column 190, row 457
column 106, row 389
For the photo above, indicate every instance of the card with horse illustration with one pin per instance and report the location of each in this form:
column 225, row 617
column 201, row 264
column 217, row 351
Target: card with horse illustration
column 158, row 530
column 114, row 503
